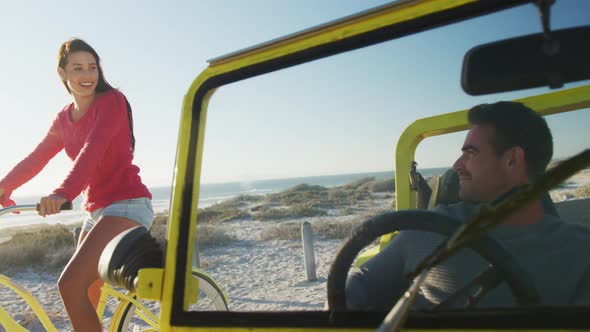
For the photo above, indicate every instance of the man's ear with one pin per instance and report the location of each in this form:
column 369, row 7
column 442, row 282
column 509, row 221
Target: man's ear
column 515, row 161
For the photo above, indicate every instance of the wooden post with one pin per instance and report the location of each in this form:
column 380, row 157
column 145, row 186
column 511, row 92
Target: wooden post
column 308, row 252
column 196, row 258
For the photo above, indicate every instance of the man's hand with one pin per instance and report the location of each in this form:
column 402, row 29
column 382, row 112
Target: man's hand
column 50, row 205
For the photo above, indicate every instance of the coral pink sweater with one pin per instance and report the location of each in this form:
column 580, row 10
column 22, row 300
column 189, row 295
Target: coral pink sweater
column 99, row 144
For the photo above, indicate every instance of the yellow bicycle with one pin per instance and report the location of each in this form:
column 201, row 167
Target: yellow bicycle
column 130, row 313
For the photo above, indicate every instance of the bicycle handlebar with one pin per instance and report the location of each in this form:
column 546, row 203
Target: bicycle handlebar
column 32, row 207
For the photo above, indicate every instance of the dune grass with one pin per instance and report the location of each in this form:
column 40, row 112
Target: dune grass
column 207, row 235
column 288, row 231
column 335, row 229
column 49, row 248
column 231, row 209
column 582, row 192
column 300, row 201
column 44, row 248
column 313, row 196
column 323, row 228
column 291, row 212
column 370, row 184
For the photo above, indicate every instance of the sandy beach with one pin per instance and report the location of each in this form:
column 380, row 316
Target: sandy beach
column 271, row 275
column 257, row 274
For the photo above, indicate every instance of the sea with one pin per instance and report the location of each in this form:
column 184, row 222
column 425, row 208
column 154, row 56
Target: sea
column 210, row 193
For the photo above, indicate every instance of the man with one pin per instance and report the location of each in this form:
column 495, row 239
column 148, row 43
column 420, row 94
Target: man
column 507, row 145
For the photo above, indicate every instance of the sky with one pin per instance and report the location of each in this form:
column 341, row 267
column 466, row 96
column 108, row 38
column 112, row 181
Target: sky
column 337, row 115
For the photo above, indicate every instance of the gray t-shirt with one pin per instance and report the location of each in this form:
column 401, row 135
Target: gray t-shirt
column 555, row 254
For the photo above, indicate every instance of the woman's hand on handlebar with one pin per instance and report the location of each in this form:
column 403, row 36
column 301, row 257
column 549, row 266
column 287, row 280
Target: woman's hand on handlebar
column 5, row 200
column 51, row 204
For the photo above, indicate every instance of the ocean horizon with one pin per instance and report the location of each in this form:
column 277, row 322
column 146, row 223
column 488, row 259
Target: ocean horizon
column 210, row 193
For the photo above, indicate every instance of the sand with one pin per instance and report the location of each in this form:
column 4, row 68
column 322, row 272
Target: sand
column 255, row 274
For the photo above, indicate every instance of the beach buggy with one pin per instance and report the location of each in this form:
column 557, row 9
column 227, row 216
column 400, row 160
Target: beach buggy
column 443, row 57
column 553, row 84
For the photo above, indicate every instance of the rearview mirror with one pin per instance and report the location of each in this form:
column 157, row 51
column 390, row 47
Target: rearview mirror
column 525, row 62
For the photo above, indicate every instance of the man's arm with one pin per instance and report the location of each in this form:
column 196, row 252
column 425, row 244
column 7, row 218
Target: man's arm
column 581, row 294
column 379, row 283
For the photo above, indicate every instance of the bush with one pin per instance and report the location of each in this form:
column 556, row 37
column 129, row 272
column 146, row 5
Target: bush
column 48, row 247
column 376, row 186
column 356, row 184
column 285, row 231
column 335, row 229
column 582, row 192
column 387, row 185
column 239, row 201
column 341, row 197
column 220, row 213
column 208, row 235
column 309, row 195
column 318, row 197
column 160, row 227
column 160, row 218
column 327, row 229
column 228, row 210
column 296, row 211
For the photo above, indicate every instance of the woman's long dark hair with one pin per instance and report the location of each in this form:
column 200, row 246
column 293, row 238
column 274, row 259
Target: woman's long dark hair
column 77, row 45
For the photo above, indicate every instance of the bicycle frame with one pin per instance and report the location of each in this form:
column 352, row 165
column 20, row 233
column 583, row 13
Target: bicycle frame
column 8, row 322
column 107, row 290
column 5, row 319
column 147, row 316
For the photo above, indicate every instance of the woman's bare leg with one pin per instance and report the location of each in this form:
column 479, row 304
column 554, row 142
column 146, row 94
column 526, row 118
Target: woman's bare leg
column 94, row 292
column 82, row 271
column 95, row 289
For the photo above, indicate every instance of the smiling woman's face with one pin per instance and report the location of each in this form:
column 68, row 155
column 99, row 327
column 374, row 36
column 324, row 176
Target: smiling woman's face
column 80, row 74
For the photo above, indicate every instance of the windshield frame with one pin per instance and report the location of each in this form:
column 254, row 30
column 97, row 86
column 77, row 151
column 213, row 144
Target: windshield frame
column 395, row 20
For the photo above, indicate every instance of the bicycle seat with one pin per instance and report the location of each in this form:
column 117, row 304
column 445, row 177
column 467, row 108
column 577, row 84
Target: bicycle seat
column 126, row 254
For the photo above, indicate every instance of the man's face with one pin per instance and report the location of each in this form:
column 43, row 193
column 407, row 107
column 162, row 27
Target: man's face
column 482, row 175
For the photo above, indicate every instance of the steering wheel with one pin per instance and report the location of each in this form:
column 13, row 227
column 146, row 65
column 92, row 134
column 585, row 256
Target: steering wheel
column 517, row 279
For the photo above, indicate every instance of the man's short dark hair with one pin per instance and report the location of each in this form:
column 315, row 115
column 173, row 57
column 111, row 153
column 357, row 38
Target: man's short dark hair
column 517, row 125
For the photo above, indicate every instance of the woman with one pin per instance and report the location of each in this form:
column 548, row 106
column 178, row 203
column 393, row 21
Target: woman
column 96, row 131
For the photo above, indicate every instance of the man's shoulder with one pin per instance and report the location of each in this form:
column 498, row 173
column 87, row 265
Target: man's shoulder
column 560, row 225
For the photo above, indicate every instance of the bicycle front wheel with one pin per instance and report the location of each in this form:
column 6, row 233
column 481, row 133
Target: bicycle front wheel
column 143, row 315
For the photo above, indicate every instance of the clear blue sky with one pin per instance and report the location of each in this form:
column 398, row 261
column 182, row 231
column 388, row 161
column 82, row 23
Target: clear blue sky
column 338, row 115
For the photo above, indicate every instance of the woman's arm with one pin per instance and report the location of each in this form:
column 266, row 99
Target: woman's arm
column 30, row 166
column 4, row 200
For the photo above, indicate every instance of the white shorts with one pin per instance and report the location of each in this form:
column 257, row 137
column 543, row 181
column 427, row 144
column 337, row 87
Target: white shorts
column 137, row 209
